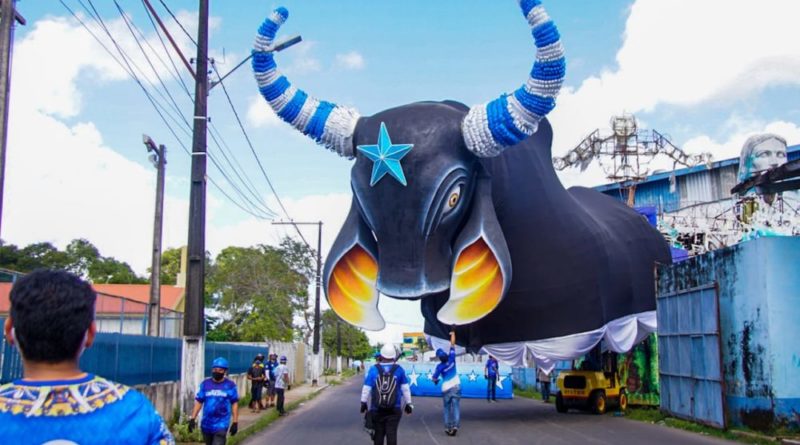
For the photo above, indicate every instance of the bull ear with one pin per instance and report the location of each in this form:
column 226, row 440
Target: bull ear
column 351, row 273
column 482, row 265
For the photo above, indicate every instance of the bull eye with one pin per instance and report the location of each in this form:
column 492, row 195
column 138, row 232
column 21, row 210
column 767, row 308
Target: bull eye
column 453, row 197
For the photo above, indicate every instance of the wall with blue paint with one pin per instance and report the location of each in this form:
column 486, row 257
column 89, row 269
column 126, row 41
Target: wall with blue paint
column 759, row 304
column 473, row 384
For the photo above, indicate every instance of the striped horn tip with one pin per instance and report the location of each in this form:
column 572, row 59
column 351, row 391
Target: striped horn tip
column 490, row 128
column 328, row 124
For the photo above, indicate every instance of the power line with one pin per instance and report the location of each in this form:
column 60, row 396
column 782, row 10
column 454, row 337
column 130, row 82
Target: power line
column 257, row 204
column 178, row 22
column 130, row 71
column 255, row 155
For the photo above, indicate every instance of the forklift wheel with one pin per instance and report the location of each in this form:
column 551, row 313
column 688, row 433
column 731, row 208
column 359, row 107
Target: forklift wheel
column 560, row 407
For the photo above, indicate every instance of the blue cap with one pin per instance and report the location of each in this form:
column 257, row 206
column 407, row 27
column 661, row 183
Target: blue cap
column 220, row 362
column 440, row 353
column 283, row 358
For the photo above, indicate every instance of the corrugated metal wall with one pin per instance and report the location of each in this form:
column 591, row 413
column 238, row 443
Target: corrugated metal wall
column 690, row 354
column 657, row 194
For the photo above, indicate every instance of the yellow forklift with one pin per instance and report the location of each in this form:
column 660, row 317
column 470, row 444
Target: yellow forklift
column 592, row 385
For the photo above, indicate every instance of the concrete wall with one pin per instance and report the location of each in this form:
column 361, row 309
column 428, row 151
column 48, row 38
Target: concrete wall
column 166, row 396
column 759, row 304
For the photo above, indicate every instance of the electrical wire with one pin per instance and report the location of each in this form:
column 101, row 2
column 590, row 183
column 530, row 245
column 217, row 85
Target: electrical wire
column 255, row 155
column 126, row 66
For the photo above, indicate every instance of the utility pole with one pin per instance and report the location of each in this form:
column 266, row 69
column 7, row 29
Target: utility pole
column 338, row 347
column 315, row 347
column 159, row 160
column 193, row 359
column 8, row 15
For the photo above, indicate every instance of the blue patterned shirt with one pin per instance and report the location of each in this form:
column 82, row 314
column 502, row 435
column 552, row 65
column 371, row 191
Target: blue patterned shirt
column 88, row 410
column 216, row 398
column 447, row 371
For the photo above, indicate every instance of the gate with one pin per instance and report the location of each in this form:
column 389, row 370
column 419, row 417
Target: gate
column 690, row 355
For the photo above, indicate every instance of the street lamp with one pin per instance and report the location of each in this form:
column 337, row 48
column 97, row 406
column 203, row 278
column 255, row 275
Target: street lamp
column 158, row 157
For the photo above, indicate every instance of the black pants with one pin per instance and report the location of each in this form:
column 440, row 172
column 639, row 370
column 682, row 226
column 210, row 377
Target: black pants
column 255, row 395
column 385, row 424
column 491, row 388
column 218, row 438
column 279, row 406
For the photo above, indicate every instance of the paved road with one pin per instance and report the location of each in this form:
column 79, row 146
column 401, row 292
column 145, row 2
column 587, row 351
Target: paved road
column 333, row 418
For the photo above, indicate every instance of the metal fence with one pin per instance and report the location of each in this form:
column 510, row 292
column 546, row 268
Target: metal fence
column 138, row 359
column 690, row 354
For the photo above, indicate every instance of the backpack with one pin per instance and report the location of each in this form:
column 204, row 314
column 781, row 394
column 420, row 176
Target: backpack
column 384, row 393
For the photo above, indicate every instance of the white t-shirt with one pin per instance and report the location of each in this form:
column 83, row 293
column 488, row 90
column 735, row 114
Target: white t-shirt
column 279, row 373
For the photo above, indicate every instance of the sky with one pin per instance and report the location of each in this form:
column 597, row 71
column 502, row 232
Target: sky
column 707, row 73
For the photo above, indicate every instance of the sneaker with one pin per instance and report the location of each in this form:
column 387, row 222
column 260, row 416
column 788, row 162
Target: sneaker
column 448, row 431
column 454, row 431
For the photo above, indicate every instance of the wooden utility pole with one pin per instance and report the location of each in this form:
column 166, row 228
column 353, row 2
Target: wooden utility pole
column 159, row 158
column 193, row 360
column 8, row 15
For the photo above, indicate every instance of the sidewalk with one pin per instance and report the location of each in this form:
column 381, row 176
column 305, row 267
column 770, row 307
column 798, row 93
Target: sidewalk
column 301, row 392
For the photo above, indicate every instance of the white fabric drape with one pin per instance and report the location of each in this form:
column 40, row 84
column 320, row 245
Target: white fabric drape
column 620, row 335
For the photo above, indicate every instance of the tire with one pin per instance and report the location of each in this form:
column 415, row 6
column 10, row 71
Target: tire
column 623, row 400
column 597, row 402
column 560, row 406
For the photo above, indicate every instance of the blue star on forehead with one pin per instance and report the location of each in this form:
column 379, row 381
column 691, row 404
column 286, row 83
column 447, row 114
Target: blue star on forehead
column 386, row 157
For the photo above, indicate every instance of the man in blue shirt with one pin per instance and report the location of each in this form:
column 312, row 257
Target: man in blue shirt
column 385, row 386
column 219, row 399
column 451, row 387
column 51, row 321
column 491, row 377
column 270, row 366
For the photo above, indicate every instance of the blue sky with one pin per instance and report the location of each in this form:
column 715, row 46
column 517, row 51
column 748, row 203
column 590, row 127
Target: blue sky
column 708, row 74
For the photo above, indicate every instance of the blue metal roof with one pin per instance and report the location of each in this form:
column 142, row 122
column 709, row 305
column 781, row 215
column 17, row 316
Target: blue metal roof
column 792, row 153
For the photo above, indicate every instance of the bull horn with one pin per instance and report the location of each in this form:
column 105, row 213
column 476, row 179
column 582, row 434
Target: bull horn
column 328, row 124
column 490, row 128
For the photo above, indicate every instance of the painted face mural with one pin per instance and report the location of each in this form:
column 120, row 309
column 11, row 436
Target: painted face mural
column 460, row 208
column 761, row 152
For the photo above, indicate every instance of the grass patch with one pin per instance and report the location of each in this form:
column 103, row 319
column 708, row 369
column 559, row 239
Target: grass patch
column 655, row 416
column 528, row 393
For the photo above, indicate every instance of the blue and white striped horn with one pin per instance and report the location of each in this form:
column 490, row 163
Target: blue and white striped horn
column 494, row 126
column 327, row 123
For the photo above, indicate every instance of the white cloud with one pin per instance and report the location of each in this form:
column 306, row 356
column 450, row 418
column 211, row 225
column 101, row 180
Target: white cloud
column 731, row 147
column 260, row 114
column 685, row 53
column 302, row 60
column 352, row 60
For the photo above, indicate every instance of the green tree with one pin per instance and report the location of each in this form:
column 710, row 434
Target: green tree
column 259, row 291
column 354, row 341
column 80, row 257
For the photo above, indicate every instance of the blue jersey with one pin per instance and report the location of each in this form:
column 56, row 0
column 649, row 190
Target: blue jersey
column 271, row 365
column 447, row 371
column 491, row 368
column 400, row 375
column 89, row 410
column 216, row 398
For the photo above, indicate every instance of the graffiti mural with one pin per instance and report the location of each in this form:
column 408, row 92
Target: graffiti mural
column 638, row 371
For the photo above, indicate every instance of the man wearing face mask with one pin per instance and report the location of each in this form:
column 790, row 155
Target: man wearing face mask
column 219, row 400
column 51, row 322
column 451, row 387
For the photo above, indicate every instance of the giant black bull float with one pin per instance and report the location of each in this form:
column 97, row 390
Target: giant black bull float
column 461, row 209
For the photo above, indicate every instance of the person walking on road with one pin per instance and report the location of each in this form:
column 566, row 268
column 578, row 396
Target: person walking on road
column 491, row 378
column 281, row 382
column 270, row 366
column 451, row 387
column 386, row 386
column 544, row 383
column 219, row 400
column 257, row 376
column 51, row 322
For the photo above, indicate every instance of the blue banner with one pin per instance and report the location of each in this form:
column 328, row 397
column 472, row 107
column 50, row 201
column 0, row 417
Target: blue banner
column 473, row 384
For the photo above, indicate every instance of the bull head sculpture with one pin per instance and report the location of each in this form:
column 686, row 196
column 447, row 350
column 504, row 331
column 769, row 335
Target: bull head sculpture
column 422, row 220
